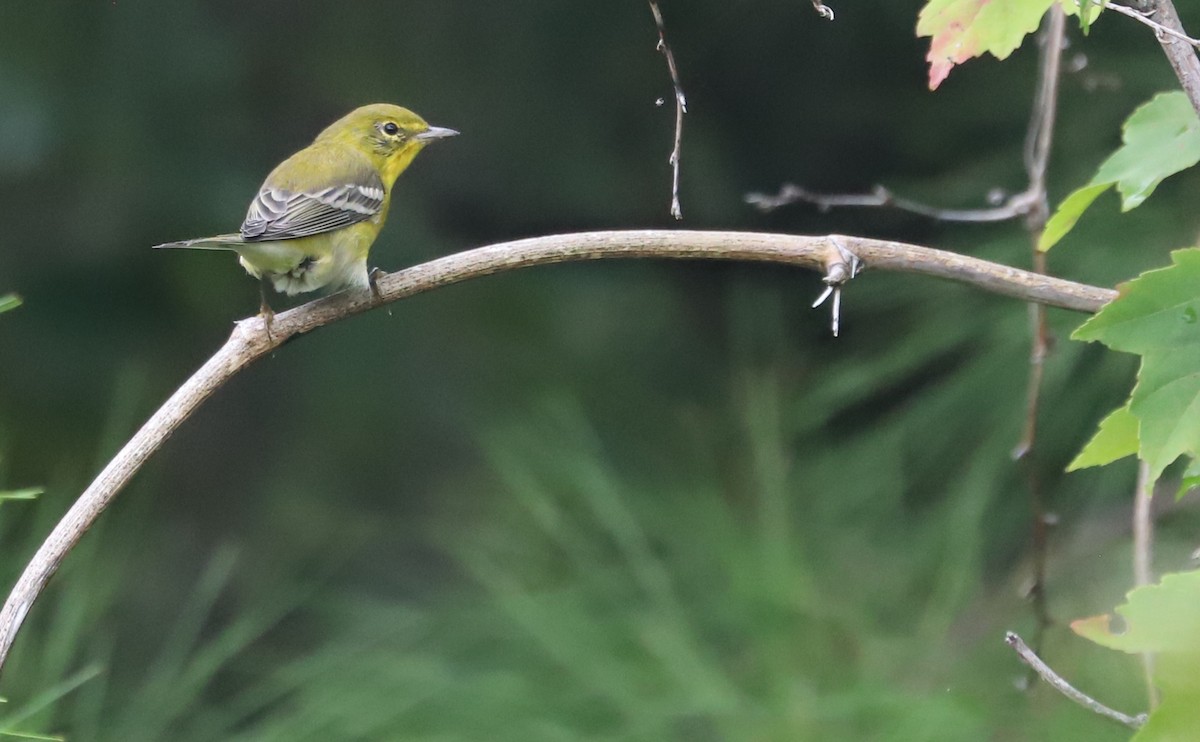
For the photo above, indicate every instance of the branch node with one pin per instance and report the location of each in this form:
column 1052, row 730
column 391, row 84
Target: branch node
column 841, row 265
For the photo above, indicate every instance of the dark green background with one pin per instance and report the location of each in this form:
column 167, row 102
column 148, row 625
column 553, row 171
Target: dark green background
column 640, row 501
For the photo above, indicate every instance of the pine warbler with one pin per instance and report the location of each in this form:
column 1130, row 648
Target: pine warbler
column 314, row 218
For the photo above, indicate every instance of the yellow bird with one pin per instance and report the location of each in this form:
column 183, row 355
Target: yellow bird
column 317, row 214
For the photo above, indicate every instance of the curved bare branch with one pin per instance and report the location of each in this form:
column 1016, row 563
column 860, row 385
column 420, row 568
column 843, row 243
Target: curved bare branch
column 250, row 340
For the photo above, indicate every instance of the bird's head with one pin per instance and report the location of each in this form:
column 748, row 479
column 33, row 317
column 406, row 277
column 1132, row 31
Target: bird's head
column 390, row 135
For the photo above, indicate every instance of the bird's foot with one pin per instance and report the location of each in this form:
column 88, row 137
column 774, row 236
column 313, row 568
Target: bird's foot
column 373, row 277
column 373, row 280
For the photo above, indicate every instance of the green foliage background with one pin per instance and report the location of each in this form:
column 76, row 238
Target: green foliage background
column 614, row 501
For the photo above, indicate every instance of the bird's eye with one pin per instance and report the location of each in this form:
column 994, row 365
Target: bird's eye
column 391, row 129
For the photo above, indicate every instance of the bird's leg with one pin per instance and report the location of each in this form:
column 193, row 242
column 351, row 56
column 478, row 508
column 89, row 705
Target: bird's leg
column 373, row 280
column 840, row 266
column 264, row 309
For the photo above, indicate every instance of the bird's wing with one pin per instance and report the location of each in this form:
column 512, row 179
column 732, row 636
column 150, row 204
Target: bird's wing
column 286, row 209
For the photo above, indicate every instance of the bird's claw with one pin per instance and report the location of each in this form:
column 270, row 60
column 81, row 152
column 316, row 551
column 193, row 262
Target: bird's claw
column 840, row 266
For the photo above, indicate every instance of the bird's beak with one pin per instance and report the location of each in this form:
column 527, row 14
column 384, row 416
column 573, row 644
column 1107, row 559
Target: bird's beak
column 434, row 133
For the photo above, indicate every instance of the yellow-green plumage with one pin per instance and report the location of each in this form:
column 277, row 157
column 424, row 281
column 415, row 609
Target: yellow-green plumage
column 317, row 214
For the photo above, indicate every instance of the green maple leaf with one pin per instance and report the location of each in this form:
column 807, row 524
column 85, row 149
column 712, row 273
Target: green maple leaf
column 1160, row 138
column 1157, row 317
column 1190, row 479
column 1163, row 619
column 1116, row 439
column 959, row 30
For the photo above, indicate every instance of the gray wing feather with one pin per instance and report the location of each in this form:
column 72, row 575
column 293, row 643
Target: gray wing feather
column 280, row 214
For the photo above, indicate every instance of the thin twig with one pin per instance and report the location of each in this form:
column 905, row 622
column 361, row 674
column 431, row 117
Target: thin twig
column 1143, row 551
column 1181, row 56
column 250, row 341
column 1040, row 134
column 1040, row 518
column 1029, row 657
column 680, row 108
column 880, row 197
column 1144, row 17
column 1039, row 139
column 1187, row 68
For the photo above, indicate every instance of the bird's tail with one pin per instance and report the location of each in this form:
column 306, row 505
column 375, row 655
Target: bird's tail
column 220, row 242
